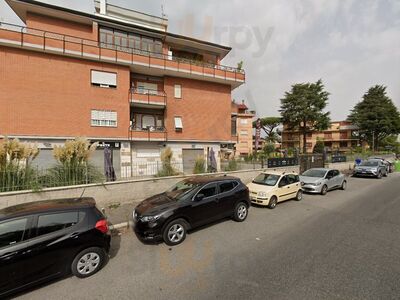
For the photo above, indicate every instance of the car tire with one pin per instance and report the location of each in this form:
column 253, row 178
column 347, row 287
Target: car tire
column 88, row 262
column 175, row 232
column 379, row 176
column 386, row 174
column 324, row 190
column 272, row 202
column 299, row 195
column 344, row 185
column 241, row 212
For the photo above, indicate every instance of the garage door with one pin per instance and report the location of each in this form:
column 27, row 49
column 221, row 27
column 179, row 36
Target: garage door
column 97, row 159
column 189, row 157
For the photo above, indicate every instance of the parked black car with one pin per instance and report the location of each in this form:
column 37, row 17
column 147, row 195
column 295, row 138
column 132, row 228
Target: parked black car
column 190, row 203
column 47, row 239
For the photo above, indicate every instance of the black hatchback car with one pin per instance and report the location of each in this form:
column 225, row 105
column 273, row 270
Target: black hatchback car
column 47, row 239
column 190, row 203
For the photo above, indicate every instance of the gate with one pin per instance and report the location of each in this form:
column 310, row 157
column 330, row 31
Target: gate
column 308, row 161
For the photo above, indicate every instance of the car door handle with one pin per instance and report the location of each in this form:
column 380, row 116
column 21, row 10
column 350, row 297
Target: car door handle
column 75, row 235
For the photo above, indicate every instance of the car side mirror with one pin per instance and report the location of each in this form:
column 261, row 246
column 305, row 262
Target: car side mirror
column 199, row 197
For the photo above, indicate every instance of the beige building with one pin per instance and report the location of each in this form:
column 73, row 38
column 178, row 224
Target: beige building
column 241, row 132
column 341, row 136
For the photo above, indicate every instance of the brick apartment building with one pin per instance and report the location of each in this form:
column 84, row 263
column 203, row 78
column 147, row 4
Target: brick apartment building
column 341, row 136
column 117, row 77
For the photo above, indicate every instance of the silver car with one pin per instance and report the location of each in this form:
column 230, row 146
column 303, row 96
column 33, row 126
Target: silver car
column 321, row 180
column 372, row 168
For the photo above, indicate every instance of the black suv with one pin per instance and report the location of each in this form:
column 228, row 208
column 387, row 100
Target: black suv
column 46, row 239
column 190, row 203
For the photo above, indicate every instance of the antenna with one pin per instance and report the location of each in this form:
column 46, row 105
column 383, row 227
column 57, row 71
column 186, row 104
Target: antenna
column 162, row 9
column 84, row 189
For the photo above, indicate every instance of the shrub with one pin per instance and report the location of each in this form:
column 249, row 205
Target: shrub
column 73, row 165
column 199, row 165
column 16, row 172
column 166, row 169
column 319, row 147
column 232, row 165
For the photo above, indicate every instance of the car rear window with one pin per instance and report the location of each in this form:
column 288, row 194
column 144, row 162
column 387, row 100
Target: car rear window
column 12, row 232
column 53, row 222
column 227, row 186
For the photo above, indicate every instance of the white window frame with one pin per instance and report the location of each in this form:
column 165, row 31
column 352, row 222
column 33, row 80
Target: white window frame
column 103, row 79
column 103, row 118
column 243, row 121
column 178, row 91
column 178, row 123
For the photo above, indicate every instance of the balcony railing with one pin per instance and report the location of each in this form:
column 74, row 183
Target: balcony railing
column 147, row 134
column 148, row 97
column 71, row 45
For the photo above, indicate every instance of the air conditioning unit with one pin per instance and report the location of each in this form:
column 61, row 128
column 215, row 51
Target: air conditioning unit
column 169, row 55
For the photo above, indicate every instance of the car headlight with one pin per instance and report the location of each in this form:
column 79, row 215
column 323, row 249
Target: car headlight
column 315, row 183
column 149, row 218
column 262, row 194
column 374, row 170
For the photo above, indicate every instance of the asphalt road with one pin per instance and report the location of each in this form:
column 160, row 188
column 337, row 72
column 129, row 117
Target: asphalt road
column 345, row 245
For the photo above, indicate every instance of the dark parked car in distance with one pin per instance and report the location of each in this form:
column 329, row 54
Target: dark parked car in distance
column 46, row 239
column 191, row 203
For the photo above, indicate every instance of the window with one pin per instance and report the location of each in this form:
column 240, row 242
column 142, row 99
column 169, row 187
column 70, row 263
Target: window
column 243, row 121
column 233, row 126
column 12, row 232
column 178, row 91
column 148, row 121
column 54, row 222
column 178, row 123
column 104, row 79
column 208, row 191
column 104, row 118
column 147, row 88
column 343, row 144
column 227, row 186
column 243, row 132
column 284, row 181
column 309, row 145
column 293, row 178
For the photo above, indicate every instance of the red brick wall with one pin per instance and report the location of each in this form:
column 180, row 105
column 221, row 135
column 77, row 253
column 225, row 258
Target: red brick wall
column 60, row 26
column 205, row 108
column 49, row 95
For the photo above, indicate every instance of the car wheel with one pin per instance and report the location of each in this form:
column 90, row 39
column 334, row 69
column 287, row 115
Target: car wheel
column 344, row 185
column 175, row 232
column 386, row 174
column 241, row 212
column 379, row 176
column 299, row 195
column 88, row 262
column 324, row 189
column 272, row 202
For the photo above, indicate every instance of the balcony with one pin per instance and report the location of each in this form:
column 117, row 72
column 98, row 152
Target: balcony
column 144, row 62
column 151, row 134
column 147, row 98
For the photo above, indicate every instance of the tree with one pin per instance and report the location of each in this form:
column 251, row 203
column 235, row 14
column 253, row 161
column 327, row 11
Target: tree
column 319, row 147
column 270, row 125
column 303, row 109
column 376, row 116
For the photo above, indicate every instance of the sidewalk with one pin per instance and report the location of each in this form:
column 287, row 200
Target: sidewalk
column 117, row 214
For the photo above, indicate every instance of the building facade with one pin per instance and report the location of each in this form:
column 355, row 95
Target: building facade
column 117, row 77
column 341, row 136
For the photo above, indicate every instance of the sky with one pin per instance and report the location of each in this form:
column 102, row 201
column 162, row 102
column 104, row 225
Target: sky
column 350, row 44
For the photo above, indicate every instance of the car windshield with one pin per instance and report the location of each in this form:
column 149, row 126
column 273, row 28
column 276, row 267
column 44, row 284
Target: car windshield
column 370, row 163
column 181, row 189
column 315, row 173
column 266, row 179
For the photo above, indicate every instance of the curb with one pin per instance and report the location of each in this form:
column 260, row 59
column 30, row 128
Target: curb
column 119, row 226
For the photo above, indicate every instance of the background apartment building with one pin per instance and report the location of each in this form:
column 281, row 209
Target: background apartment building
column 341, row 136
column 117, row 77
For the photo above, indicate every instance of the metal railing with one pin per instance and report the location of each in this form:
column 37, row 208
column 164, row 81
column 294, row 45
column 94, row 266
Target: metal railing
column 148, row 96
column 151, row 133
column 52, row 41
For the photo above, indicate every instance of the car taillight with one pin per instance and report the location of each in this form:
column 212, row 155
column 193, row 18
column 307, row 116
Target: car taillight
column 102, row 226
